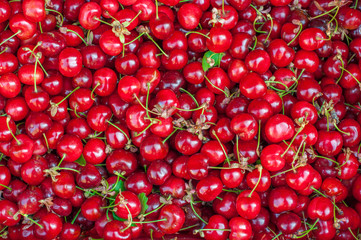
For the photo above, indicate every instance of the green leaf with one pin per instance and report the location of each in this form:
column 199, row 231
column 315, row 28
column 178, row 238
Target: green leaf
column 211, row 59
column 143, row 202
column 121, row 219
column 81, row 161
column 119, row 187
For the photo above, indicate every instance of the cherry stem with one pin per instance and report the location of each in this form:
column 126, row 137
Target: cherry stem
column 169, row 136
column 61, row 15
column 352, row 233
column 76, row 216
column 8, row 188
column 70, row 169
column 183, row 90
column 153, row 221
column 156, row 209
column 259, row 180
column 35, row 88
column 258, row 137
column 10, row 37
column 309, row 230
column 57, row 104
column 156, row 44
column 141, row 104
column 135, row 39
column 95, row 18
column 36, row 57
column 272, row 232
column 191, row 110
column 323, row 195
column 344, row 69
column 156, row 9
column 92, row 92
column 145, row 129
column 147, row 99
column 280, row 173
column 195, row 32
column 11, row 132
column 293, row 139
column 195, row 212
column 4, row 50
column 186, row 228
column 220, row 143
column 255, row 43
column 31, row 220
column 61, row 160
column 46, row 141
column 109, row 122
column 300, row 26
column 69, row 30
column 329, row 159
column 40, row 28
column 208, row 229
column 325, row 13
column 258, row 12
column 338, row 129
column 226, row 94
column 140, row 11
column 277, row 236
column 269, row 33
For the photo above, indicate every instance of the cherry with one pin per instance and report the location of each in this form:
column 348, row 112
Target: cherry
column 278, row 128
column 209, row 188
column 173, row 186
column 92, row 208
column 329, row 143
column 88, row 15
column 215, row 229
column 282, row 199
column 51, row 226
column 22, row 27
column 121, row 161
column 138, row 183
column 187, row 143
column 8, row 212
column 189, row 15
column 64, row 185
column 70, row 62
column 69, row 147
column 174, row 219
column 219, row 40
column 21, row 148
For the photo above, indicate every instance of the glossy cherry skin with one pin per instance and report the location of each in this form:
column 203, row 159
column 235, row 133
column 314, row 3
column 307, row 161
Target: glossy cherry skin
column 252, row 86
column 52, row 226
column 329, row 143
column 64, row 187
column 216, row 222
column 175, row 219
column 209, row 188
column 70, row 62
column 187, row 143
column 98, row 117
column 87, row 14
column 161, row 26
column 8, row 210
column 121, row 161
column 26, row 28
column 282, row 199
column 219, row 40
column 245, row 126
column 70, row 147
column 92, row 208
column 279, row 127
column 21, row 148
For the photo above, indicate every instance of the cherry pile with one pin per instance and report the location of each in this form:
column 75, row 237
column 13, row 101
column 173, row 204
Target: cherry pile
column 180, row 119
